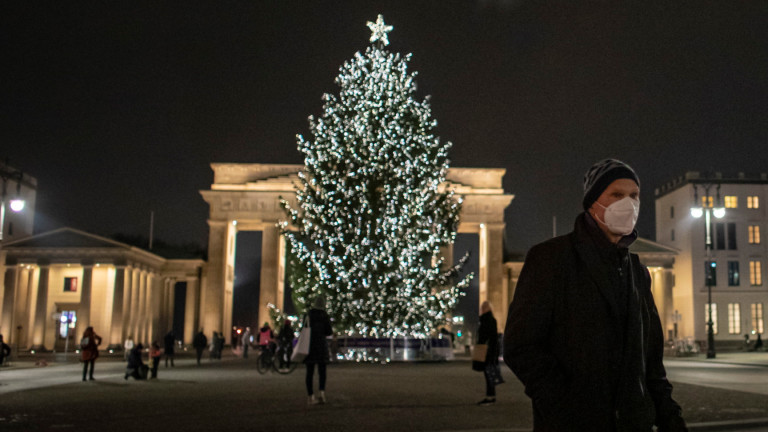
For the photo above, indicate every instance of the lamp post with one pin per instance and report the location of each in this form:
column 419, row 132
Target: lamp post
column 708, row 210
column 16, row 204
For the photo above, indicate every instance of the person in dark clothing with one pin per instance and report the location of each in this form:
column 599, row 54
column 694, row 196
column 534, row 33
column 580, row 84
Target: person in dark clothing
column 89, row 351
column 5, row 350
column 320, row 329
column 199, row 343
column 169, row 342
column 487, row 333
column 154, row 357
column 219, row 345
column 285, row 340
column 583, row 334
column 135, row 367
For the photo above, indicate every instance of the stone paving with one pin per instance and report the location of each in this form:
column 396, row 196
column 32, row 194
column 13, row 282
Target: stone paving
column 231, row 395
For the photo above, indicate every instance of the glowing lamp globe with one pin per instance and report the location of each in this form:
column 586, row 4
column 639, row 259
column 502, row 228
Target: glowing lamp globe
column 17, row 205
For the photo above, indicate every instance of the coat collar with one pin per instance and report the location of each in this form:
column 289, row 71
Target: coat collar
column 589, row 241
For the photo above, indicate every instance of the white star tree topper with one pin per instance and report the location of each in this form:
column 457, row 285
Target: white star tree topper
column 379, row 30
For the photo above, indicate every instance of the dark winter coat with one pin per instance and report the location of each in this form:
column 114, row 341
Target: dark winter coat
column 584, row 337
column 487, row 334
column 200, row 341
column 134, row 358
column 168, row 343
column 5, row 350
column 320, row 326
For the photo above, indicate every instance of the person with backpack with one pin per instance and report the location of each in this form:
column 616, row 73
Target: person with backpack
column 89, row 351
column 266, row 338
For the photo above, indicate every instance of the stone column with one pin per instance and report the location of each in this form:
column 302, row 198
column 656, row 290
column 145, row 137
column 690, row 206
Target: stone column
column 270, row 261
column 170, row 300
column 156, row 292
column 9, row 298
column 191, row 307
column 41, row 308
column 212, row 294
column 84, row 311
column 491, row 269
column 118, row 308
column 128, row 305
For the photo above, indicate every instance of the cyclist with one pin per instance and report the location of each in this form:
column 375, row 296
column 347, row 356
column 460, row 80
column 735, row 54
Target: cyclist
column 266, row 339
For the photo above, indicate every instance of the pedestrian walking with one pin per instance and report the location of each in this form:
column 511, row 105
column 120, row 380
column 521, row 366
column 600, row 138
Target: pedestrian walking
column 246, row 341
column 199, row 343
column 5, row 350
column 219, row 345
column 285, row 339
column 154, row 357
column 169, row 347
column 583, row 334
column 136, row 367
column 127, row 346
column 487, row 333
column 758, row 343
column 89, row 351
column 320, row 329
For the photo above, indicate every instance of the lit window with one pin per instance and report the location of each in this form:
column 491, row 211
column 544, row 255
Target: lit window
column 707, row 201
column 758, row 325
column 755, row 273
column 734, row 318
column 754, row 234
column 731, row 202
column 714, row 317
column 753, row 202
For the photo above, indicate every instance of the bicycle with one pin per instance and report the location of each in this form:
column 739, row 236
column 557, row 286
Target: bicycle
column 269, row 359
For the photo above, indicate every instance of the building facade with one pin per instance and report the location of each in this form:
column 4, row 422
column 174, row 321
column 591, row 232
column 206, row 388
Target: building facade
column 245, row 197
column 732, row 268
column 56, row 284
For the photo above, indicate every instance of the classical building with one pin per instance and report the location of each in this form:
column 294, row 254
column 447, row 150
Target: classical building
column 58, row 283
column 734, row 262
column 245, row 197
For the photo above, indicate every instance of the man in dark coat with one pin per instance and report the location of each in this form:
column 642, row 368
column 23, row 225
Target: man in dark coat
column 199, row 342
column 583, row 334
column 320, row 325
column 169, row 344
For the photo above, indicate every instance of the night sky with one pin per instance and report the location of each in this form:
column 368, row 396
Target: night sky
column 118, row 108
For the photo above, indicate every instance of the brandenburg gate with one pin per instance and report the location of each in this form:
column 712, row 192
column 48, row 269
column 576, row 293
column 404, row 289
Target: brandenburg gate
column 246, row 197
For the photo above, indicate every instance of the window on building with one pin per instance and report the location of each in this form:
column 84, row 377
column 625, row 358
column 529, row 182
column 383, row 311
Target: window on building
column 754, row 234
column 734, row 318
column 731, row 235
column 672, row 212
column 710, row 273
column 714, row 317
column 758, row 324
column 67, row 324
column 70, row 284
column 672, row 235
column 731, row 201
column 753, row 202
column 733, row 273
column 707, row 201
column 719, row 236
column 755, row 273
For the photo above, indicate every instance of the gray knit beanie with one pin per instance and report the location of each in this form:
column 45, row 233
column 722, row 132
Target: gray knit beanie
column 601, row 175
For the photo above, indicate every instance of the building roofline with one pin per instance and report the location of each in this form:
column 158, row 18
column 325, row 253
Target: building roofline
column 695, row 177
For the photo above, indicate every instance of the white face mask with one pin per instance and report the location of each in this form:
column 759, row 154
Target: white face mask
column 621, row 216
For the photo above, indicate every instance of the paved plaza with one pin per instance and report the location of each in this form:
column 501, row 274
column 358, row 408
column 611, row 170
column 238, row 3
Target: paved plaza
column 230, row 395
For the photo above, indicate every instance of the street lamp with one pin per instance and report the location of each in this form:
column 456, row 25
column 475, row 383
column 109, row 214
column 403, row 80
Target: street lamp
column 17, row 203
column 708, row 210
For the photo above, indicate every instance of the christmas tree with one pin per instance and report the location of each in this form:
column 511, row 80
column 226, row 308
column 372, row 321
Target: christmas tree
column 374, row 210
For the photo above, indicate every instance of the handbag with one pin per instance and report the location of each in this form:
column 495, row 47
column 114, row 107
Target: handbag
column 478, row 357
column 301, row 350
